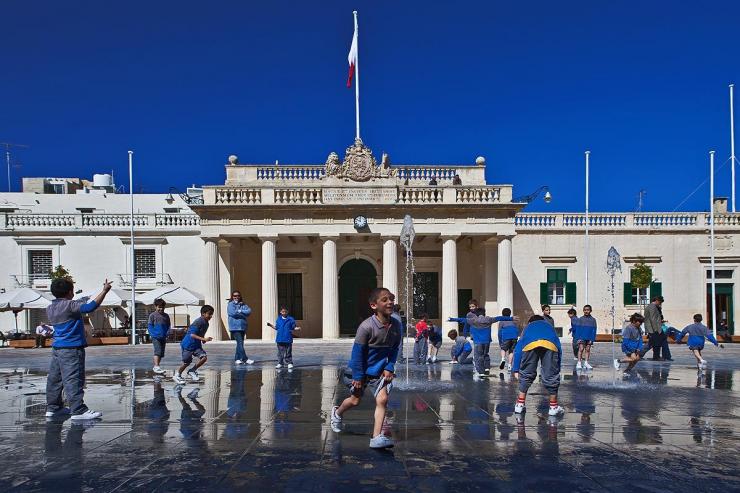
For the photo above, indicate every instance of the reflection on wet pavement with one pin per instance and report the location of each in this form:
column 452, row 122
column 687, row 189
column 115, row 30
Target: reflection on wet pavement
column 665, row 428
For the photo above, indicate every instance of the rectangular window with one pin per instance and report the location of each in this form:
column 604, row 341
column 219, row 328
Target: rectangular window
column 145, row 263
column 719, row 274
column 426, row 294
column 556, row 280
column 640, row 296
column 39, row 264
column 290, row 293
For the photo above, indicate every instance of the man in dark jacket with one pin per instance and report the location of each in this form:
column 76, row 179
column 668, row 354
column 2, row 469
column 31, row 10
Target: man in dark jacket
column 653, row 327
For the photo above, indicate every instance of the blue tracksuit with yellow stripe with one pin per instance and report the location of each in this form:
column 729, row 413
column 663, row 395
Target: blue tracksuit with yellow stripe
column 538, row 344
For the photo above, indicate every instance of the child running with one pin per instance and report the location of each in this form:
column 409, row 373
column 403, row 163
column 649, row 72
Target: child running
column 586, row 335
column 539, row 344
column 421, row 340
column 67, row 368
column 631, row 343
column 192, row 345
column 284, row 325
column 480, row 329
column 373, row 362
column 697, row 333
column 508, row 333
column 158, row 327
column 461, row 350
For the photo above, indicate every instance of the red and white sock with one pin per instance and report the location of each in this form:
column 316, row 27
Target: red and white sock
column 554, row 403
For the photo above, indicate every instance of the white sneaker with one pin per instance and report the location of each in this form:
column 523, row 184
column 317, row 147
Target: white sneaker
column 452, row 362
column 616, row 364
column 476, row 376
column 508, row 367
column 60, row 412
column 381, row 441
column 238, row 362
column 335, row 420
column 178, row 378
column 193, row 374
column 626, row 374
column 278, row 366
column 587, row 366
column 249, row 361
column 578, row 366
column 290, row 366
column 519, row 408
column 89, row 414
column 158, row 370
column 703, row 364
column 434, row 359
column 556, row 411
column 575, row 359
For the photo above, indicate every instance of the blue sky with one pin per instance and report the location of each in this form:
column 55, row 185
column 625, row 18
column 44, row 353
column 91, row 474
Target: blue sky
column 529, row 85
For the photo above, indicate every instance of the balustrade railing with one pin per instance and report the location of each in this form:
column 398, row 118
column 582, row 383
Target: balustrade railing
column 298, row 196
column 40, row 220
column 113, row 220
column 290, row 172
column 144, row 279
column 475, row 195
column 638, row 221
column 407, row 195
column 238, row 196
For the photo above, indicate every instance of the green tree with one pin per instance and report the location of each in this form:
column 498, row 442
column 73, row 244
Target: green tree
column 60, row 272
column 641, row 275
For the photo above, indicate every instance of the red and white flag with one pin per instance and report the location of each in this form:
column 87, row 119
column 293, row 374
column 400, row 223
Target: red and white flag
column 352, row 57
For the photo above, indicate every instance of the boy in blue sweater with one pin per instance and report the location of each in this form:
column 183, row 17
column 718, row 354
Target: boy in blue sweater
column 67, row 369
column 573, row 316
column 586, row 335
column 461, row 350
column 539, row 344
column 480, row 329
column 631, row 343
column 192, row 345
column 508, row 333
column 158, row 327
column 697, row 333
column 284, row 325
column 373, row 362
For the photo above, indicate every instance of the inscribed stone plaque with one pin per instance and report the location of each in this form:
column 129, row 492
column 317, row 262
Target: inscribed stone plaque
column 359, row 195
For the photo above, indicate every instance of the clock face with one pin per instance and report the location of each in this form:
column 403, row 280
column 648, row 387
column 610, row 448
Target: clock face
column 360, row 222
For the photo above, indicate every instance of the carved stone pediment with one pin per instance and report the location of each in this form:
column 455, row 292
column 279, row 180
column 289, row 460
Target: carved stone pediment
column 359, row 164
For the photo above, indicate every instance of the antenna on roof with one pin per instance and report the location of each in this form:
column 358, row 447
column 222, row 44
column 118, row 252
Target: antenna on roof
column 8, row 146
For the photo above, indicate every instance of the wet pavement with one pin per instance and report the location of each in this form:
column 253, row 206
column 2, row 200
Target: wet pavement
column 668, row 428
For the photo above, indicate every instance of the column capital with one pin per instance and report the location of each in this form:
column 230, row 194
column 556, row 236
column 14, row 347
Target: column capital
column 268, row 237
column 385, row 237
column 329, row 236
column 445, row 237
column 210, row 239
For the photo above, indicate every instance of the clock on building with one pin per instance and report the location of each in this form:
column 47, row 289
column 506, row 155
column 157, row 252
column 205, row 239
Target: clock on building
column 360, row 222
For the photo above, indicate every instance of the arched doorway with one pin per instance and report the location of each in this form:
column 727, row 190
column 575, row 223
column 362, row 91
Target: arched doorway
column 357, row 277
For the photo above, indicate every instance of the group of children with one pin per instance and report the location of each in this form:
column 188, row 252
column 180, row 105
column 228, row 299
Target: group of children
column 374, row 352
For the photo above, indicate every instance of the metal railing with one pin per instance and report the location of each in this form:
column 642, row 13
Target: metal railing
column 144, row 279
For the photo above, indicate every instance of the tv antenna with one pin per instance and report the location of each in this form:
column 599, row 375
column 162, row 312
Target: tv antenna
column 8, row 146
column 640, row 199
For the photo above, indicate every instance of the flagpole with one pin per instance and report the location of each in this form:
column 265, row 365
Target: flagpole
column 132, row 319
column 711, row 242
column 357, row 80
column 732, row 141
column 588, row 153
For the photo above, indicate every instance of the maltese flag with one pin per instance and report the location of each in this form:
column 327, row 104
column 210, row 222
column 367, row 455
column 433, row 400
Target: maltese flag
column 352, row 58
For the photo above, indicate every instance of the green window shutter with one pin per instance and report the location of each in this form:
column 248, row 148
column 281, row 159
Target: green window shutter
column 557, row 275
column 543, row 293
column 627, row 293
column 656, row 289
column 570, row 293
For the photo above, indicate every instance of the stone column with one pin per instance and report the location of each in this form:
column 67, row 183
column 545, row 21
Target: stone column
column 269, row 285
column 390, row 266
column 224, row 275
column 213, row 289
column 330, row 289
column 505, row 275
column 490, row 291
column 267, row 406
column 449, row 282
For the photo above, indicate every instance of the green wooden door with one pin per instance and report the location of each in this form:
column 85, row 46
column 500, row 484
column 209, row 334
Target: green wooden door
column 725, row 304
column 357, row 277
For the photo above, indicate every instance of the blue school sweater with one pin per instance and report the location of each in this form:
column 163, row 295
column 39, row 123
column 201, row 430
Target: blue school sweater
column 631, row 339
column 66, row 317
column 697, row 333
column 199, row 328
column 284, row 328
column 507, row 330
column 480, row 326
column 375, row 348
column 461, row 346
column 537, row 334
column 585, row 328
column 159, row 325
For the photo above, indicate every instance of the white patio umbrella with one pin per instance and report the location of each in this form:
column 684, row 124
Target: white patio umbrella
column 115, row 297
column 173, row 295
column 23, row 299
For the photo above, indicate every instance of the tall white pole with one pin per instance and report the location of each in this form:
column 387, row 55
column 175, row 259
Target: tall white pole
column 711, row 242
column 7, row 160
column 133, row 260
column 357, row 81
column 588, row 153
column 732, row 141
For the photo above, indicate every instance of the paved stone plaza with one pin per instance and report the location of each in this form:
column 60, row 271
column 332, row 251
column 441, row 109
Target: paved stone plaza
column 259, row 429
